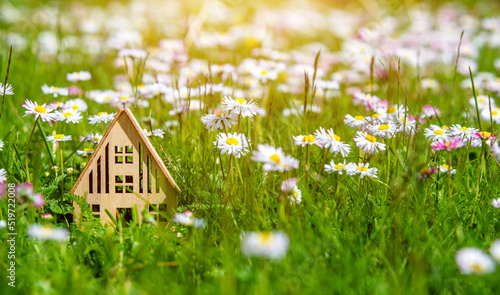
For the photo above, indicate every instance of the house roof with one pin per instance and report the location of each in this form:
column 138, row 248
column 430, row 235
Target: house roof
column 144, row 138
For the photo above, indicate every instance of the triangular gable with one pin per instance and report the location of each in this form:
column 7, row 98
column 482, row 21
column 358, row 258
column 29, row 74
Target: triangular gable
column 140, row 132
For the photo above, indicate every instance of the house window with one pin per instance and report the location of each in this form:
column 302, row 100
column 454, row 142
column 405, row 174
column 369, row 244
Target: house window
column 124, row 182
column 121, row 154
column 96, row 209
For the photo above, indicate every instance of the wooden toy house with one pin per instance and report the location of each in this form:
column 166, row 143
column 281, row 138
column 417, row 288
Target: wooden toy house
column 124, row 164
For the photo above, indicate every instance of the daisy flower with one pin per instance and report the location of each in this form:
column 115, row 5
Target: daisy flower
column 187, row 218
column 85, row 152
column 451, row 144
column 429, row 111
column 232, row 143
column 69, row 116
column 435, row 133
column 9, row 90
column 240, row 106
column 409, row 127
column 76, row 104
column 218, row 121
column 447, row 169
column 264, row 74
column 42, row 111
column 426, row 172
column 3, row 175
column 273, row 245
column 474, row 261
column 287, row 185
column 483, row 102
column 429, row 84
column 26, row 193
column 47, row 232
column 461, row 131
column 94, row 137
column 477, row 139
column 78, row 76
column 101, row 117
column 158, row 133
column 495, row 151
column 494, row 115
column 55, row 91
column 383, row 130
column 122, row 101
column 365, row 99
column 58, row 137
column 304, row 140
column 355, row 122
column 328, row 139
column 368, row 143
column 296, row 195
column 340, row 168
column 274, row 159
column 361, row 169
column 495, row 203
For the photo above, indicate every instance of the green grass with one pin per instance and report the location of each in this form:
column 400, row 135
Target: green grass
column 397, row 235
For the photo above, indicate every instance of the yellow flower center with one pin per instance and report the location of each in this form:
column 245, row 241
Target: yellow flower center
column 75, row 107
column 308, row 138
column 123, row 98
column 275, row 158
column 425, row 170
column 59, row 136
column 438, row 132
column 371, row 138
column 264, row 72
column 265, row 238
column 485, row 133
column 220, row 114
column 335, row 136
column 102, row 113
column 40, row 109
column 375, row 115
column 95, row 138
column 53, row 89
column 391, row 110
column 362, row 168
column 477, row 268
column 494, row 113
column 107, row 98
column 360, row 118
column 464, row 129
column 446, row 167
column 88, row 150
column 444, row 127
column 383, row 127
column 338, row 166
column 240, row 100
column 68, row 114
column 232, row 140
column 447, row 143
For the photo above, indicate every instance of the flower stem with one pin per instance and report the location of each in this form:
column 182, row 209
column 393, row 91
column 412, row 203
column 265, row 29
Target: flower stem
column 27, row 148
column 306, row 167
column 321, row 168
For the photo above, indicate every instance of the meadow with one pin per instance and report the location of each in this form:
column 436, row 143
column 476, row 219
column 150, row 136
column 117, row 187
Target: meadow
column 320, row 148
